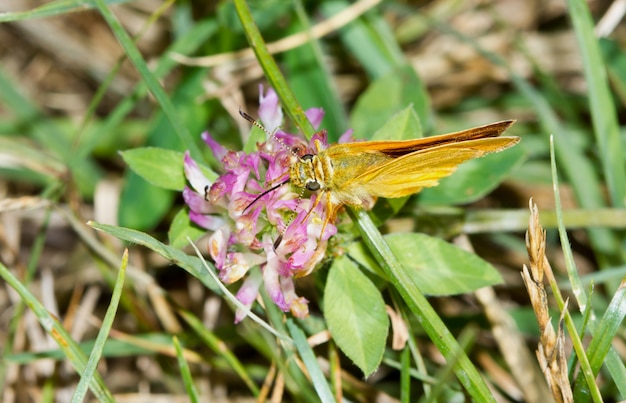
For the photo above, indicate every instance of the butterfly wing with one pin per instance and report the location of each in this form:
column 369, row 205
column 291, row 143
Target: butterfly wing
column 411, row 172
column 396, row 149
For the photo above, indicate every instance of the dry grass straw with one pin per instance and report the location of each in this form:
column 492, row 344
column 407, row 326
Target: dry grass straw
column 551, row 351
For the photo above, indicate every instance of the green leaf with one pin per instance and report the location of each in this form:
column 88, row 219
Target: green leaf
column 437, row 267
column 182, row 228
column 384, row 97
column 404, row 125
column 142, row 205
column 191, row 264
column 158, row 166
column 355, row 314
column 474, row 179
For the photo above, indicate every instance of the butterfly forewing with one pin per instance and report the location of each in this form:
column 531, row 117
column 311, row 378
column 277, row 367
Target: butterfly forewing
column 410, row 173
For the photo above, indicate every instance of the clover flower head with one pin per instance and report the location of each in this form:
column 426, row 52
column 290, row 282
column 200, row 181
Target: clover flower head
column 245, row 219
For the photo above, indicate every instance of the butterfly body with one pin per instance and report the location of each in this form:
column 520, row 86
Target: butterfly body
column 353, row 173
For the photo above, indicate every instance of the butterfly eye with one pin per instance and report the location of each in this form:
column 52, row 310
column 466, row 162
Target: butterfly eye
column 313, row 186
column 307, row 157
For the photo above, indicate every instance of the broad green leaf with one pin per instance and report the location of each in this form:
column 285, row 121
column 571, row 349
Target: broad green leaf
column 474, row 179
column 142, row 206
column 404, row 125
column 158, row 166
column 182, row 228
column 385, row 97
column 355, row 314
column 438, row 267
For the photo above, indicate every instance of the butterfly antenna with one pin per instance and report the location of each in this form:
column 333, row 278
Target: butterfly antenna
column 256, row 199
column 267, row 132
column 291, row 218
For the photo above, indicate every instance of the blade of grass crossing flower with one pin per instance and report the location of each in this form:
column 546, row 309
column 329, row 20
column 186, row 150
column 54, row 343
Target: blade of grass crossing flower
column 148, row 77
column 55, row 329
column 90, row 369
column 306, row 353
column 466, row 372
column 192, row 392
column 221, row 349
column 234, row 299
column 271, row 70
column 601, row 103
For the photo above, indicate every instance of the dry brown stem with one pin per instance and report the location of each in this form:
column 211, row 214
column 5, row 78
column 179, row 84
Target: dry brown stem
column 550, row 352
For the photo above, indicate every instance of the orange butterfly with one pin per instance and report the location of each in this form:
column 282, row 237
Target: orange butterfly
column 354, row 173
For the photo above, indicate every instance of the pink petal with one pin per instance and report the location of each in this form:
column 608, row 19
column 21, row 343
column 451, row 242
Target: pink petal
column 315, row 116
column 270, row 112
column 247, row 293
column 347, row 137
column 194, row 175
column 271, row 280
column 237, row 265
column 218, row 150
column 218, row 245
column 210, row 222
column 197, row 203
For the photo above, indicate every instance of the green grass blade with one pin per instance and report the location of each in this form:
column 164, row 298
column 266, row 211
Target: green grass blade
column 405, row 375
column 601, row 103
column 187, row 43
column 574, row 162
column 586, row 371
column 465, row 371
column 271, row 70
column 54, row 8
column 220, row 348
column 308, row 357
column 149, row 78
column 604, row 333
column 309, row 77
column 90, row 369
column 49, row 135
column 185, row 372
column 55, row 329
